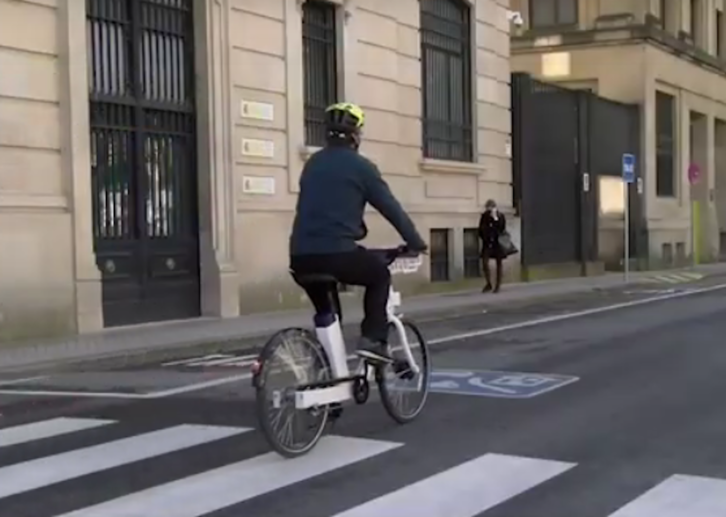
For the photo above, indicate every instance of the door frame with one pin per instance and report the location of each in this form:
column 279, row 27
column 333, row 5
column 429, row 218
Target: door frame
column 219, row 296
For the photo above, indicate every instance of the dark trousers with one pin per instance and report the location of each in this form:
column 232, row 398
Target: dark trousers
column 359, row 267
column 486, row 255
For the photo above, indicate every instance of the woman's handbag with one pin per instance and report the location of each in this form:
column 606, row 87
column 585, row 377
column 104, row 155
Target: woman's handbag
column 506, row 244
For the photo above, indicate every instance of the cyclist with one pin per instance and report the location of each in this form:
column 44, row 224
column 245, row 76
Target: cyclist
column 335, row 186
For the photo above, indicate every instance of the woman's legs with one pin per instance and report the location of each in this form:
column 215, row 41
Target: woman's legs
column 488, row 273
column 499, row 274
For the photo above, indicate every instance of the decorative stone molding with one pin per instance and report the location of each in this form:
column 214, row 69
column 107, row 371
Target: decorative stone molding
column 433, row 165
column 217, row 185
column 35, row 202
column 221, row 169
column 76, row 159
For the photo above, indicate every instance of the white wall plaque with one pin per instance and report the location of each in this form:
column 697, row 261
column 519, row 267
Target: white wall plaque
column 258, row 185
column 257, row 110
column 258, row 148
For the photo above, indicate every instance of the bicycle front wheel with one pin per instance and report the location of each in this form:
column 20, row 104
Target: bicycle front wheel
column 403, row 392
column 291, row 358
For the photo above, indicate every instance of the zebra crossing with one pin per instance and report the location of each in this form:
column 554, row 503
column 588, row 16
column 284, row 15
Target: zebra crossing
column 675, row 277
column 467, row 489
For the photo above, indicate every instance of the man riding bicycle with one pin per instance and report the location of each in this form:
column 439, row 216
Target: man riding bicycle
column 335, row 186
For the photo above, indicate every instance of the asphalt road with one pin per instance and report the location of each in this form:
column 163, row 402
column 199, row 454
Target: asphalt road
column 607, row 413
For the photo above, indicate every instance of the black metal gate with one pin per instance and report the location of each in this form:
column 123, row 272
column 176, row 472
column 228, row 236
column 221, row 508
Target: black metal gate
column 562, row 142
column 614, row 129
column 546, row 169
column 143, row 158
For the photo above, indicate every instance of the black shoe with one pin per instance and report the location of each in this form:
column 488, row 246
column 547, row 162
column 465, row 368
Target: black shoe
column 402, row 369
column 487, row 288
column 373, row 351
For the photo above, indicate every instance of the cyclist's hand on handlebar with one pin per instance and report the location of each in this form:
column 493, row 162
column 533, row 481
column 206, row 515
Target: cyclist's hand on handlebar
column 421, row 249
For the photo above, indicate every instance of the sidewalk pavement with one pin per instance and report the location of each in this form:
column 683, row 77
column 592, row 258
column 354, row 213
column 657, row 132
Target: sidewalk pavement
column 172, row 335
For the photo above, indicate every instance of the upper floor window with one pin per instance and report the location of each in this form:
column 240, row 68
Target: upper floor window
column 665, row 179
column 320, row 66
column 446, row 70
column 552, row 13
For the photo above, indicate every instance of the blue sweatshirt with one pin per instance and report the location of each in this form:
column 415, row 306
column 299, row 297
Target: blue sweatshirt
column 335, row 186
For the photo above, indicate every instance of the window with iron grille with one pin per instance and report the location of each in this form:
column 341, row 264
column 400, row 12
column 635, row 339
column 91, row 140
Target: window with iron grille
column 472, row 257
column 552, row 13
column 439, row 256
column 320, row 66
column 447, row 80
column 665, row 181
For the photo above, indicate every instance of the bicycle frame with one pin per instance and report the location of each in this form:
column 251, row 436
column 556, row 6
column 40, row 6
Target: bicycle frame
column 331, row 338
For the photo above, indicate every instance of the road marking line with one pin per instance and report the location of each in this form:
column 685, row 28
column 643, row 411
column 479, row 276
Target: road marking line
column 232, row 484
column 34, row 474
column 191, row 361
column 465, row 490
column 21, row 381
column 188, row 388
column 80, row 394
column 199, row 386
column 680, row 496
column 47, row 429
column 572, row 315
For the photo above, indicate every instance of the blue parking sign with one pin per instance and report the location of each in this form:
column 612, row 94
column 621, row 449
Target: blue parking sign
column 489, row 383
column 628, row 168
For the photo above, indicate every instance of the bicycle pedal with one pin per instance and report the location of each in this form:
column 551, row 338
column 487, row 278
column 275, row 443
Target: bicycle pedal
column 403, row 370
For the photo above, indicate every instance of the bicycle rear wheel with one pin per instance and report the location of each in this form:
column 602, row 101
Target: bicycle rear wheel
column 290, row 431
column 403, row 393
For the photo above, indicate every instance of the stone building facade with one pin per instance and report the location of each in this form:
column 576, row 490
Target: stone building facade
column 668, row 57
column 150, row 149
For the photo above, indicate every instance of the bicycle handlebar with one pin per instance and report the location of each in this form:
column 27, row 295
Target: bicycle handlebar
column 391, row 254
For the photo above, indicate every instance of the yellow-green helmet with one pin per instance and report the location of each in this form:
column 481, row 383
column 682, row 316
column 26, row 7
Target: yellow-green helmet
column 345, row 118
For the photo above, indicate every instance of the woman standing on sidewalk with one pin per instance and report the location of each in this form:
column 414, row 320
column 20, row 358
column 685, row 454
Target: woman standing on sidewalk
column 491, row 226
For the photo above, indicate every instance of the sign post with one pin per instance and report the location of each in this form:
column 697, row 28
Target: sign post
column 628, row 179
column 694, row 175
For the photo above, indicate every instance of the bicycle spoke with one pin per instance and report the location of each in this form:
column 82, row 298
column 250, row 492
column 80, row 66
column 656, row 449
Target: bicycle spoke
column 287, row 437
column 404, row 392
column 291, row 358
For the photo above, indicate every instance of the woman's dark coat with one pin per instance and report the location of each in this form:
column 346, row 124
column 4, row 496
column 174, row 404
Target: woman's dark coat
column 489, row 232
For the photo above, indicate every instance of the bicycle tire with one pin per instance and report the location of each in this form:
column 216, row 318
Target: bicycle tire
column 260, row 383
column 387, row 396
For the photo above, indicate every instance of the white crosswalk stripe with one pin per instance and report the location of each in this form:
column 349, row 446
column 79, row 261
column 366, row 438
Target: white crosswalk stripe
column 210, row 491
column 47, row 429
column 680, row 496
column 69, row 465
column 469, row 489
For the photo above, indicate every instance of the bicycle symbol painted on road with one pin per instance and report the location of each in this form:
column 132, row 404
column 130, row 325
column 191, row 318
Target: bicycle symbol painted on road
column 489, row 383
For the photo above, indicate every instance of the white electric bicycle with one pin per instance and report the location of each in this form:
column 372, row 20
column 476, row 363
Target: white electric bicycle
column 293, row 413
